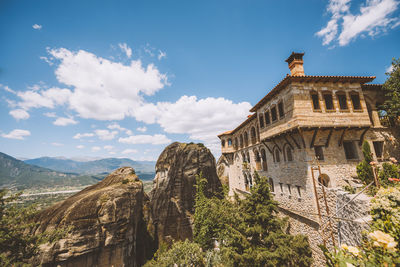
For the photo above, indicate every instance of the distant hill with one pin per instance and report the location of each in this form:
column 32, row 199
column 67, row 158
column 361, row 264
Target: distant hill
column 16, row 174
column 144, row 169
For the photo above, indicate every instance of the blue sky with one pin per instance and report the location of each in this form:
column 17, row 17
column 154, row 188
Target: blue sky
column 126, row 78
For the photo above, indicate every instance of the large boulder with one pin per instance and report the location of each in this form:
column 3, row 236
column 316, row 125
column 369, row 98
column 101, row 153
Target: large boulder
column 107, row 225
column 173, row 194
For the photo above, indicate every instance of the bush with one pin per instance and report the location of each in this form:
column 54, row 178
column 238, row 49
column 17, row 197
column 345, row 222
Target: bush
column 364, row 168
column 389, row 170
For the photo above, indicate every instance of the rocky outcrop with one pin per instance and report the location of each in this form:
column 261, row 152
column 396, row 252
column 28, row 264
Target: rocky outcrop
column 223, row 170
column 173, row 193
column 107, row 225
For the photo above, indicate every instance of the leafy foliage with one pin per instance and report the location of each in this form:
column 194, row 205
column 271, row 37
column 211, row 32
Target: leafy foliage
column 180, row 254
column 389, row 170
column 392, row 91
column 17, row 245
column 364, row 168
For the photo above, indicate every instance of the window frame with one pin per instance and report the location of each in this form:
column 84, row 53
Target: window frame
column 315, row 93
column 281, row 110
column 359, row 101
column 315, row 152
column 261, row 120
column 354, row 149
column 267, row 117
column 341, row 94
column 333, row 103
column 272, row 114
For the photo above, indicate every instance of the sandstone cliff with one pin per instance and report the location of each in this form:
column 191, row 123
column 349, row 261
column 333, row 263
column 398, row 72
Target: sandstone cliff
column 172, row 197
column 108, row 226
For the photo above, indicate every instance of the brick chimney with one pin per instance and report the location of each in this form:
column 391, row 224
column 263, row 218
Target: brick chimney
column 295, row 62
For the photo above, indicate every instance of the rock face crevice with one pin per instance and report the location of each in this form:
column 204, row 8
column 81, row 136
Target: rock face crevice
column 173, row 194
column 107, row 221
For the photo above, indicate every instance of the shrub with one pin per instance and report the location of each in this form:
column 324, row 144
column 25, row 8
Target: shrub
column 364, row 168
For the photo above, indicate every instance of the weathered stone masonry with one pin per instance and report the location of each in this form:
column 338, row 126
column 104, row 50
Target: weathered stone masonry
column 302, row 122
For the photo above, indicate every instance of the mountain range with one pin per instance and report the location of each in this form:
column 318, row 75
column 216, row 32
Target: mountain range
column 47, row 172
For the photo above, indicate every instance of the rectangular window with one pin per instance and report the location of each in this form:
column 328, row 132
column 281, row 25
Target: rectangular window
column 328, row 102
column 261, row 118
column 267, row 118
column 342, row 102
column 289, row 189
column 315, row 101
column 350, row 150
column 298, row 191
column 355, row 99
column 281, row 187
column 319, row 152
column 280, row 109
column 378, row 146
column 274, row 115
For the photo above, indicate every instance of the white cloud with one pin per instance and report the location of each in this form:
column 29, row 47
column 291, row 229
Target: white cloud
column 56, row 144
column 102, row 89
column 202, row 119
column 19, row 114
column 106, row 134
column 108, row 147
column 47, row 60
column 44, row 98
column 129, row 151
column 142, row 129
column 96, row 148
column 112, row 152
column 8, row 89
column 161, row 55
column 37, row 26
column 157, row 139
column 80, row 146
column 374, row 17
column 17, row 134
column 126, row 49
column 63, row 121
column 50, row 114
column 114, row 126
column 79, row 135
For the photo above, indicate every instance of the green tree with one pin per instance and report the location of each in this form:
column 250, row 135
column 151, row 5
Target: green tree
column 364, row 168
column 17, row 244
column 392, row 91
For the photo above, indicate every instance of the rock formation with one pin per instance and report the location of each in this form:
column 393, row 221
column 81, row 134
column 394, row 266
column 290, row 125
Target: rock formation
column 107, row 225
column 173, row 194
column 223, row 170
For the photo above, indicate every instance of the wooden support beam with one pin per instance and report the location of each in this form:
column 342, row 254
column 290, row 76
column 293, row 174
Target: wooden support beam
column 287, row 141
column 294, row 140
column 341, row 137
column 302, row 137
column 280, row 150
column 362, row 136
column 265, row 144
column 313, row 138
column 329, row 137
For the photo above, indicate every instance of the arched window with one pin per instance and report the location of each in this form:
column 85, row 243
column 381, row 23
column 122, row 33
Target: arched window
column 243, row 157
column 271, row 184
column 277, row 156
column 248, row 157
column 246, row 182
column 246, row 139
column 261, row 119
column 258, row 160
column 324, row 180
column 289, row 153
column 236, row 144
column 253, row 136
column 241, row 141
column 223, row 143
column 250, row 180
column 229, row 142
column 264, row 160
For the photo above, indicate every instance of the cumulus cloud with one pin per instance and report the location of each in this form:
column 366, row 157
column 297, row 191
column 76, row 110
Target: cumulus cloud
column 106, row 134
column 389, row 69
column 126, row 49
column 50, row 114
column 116, row 126
column 129, row 151
column 7, row 89
column 373, row 18
column 17, row 134
column 63, row 121
column 96, row 148
column 108, row 147
column 80, row 146
column 37, row 26
column 79, row 135
column 157, row 139
column 202, row 119
column 19, row 114
column 142, row 129
column 43, row 98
